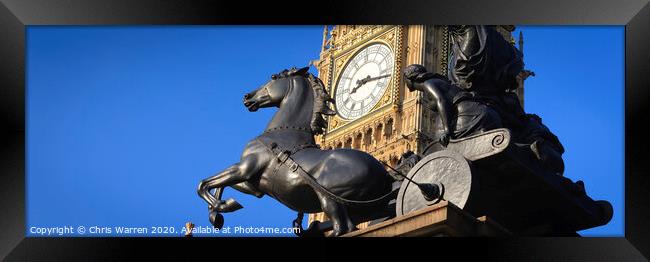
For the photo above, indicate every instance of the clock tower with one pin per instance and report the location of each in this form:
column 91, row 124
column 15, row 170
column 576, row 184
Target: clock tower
column 361, row 67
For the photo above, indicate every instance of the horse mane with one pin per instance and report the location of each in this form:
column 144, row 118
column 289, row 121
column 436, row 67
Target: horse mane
column 321, row 106
column 321, row 98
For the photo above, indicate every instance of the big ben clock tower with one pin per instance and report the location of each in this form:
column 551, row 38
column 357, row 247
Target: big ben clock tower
column 361, row 67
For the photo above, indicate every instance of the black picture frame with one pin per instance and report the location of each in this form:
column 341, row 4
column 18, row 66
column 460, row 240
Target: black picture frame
column 15, row 15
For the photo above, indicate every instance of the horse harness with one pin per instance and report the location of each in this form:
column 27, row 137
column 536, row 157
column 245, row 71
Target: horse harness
column 283, row 158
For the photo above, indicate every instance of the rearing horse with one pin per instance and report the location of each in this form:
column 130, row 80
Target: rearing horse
column 284, row 162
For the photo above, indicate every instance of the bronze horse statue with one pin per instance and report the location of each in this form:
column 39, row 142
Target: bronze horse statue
column 284, row 162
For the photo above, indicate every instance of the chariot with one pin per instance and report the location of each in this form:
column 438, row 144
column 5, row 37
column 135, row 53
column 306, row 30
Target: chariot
column 488, row 174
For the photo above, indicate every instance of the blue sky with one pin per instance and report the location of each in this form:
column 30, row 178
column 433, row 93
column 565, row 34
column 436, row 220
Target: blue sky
column 123, row 122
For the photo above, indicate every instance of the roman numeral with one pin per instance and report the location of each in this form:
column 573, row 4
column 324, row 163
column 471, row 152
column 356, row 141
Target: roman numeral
column 382, row 60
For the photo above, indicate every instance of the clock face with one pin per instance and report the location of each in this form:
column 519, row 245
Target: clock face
column 364, row 80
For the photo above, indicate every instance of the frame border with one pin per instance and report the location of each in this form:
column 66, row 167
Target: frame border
column 15, row 15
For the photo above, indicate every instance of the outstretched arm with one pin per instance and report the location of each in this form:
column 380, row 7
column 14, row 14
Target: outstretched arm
column 417, row 78
column 436, row 89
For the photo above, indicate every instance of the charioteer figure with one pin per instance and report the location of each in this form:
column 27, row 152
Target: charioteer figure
column 478, row 94
column 485, row 63
column 460, row 113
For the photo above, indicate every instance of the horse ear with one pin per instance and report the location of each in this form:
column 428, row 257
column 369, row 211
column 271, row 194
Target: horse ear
column 302, row 71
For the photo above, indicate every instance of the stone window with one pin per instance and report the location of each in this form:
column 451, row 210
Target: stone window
column 367, row 138
column 388, row 130
column 357, row 141
column 378, row 131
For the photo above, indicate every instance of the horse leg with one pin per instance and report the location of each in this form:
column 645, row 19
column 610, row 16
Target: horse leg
column 230, row 205
column 338, row 213
column 234, row 175
column 204, row 187
column 247, row 188
column 214, row 199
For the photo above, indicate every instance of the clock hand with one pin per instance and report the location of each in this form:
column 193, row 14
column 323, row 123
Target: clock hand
column 375, row 78
column 360, row 82
column 365, row 80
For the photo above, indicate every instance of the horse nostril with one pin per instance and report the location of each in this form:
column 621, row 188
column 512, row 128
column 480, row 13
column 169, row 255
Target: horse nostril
column 246, row 96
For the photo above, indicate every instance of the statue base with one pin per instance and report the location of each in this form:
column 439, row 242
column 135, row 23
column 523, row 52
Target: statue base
column 441, row 219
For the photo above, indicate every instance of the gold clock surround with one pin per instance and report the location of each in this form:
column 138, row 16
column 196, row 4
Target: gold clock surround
column 384, row 95
column 389, row 37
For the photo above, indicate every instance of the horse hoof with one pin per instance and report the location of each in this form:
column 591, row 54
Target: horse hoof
column 230, row 205
column 216, row 219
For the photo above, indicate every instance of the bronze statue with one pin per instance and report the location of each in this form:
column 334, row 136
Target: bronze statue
column 482, row 60
column 480, row 117
column 484, row 70
column 489, row 157
column 284, row 162
column 485, row 63
column 460, row 113
column 479, row 140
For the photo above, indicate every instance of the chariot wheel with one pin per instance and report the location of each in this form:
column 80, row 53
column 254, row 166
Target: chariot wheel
column 447, row 170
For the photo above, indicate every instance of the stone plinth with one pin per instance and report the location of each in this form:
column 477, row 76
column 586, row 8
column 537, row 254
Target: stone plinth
column 442, row 219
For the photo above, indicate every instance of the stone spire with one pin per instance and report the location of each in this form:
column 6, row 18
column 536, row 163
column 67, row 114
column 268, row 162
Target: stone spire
column 323, row 46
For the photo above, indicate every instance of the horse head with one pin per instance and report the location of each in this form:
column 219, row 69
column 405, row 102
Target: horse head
column 271, row 93
column 301, row 97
